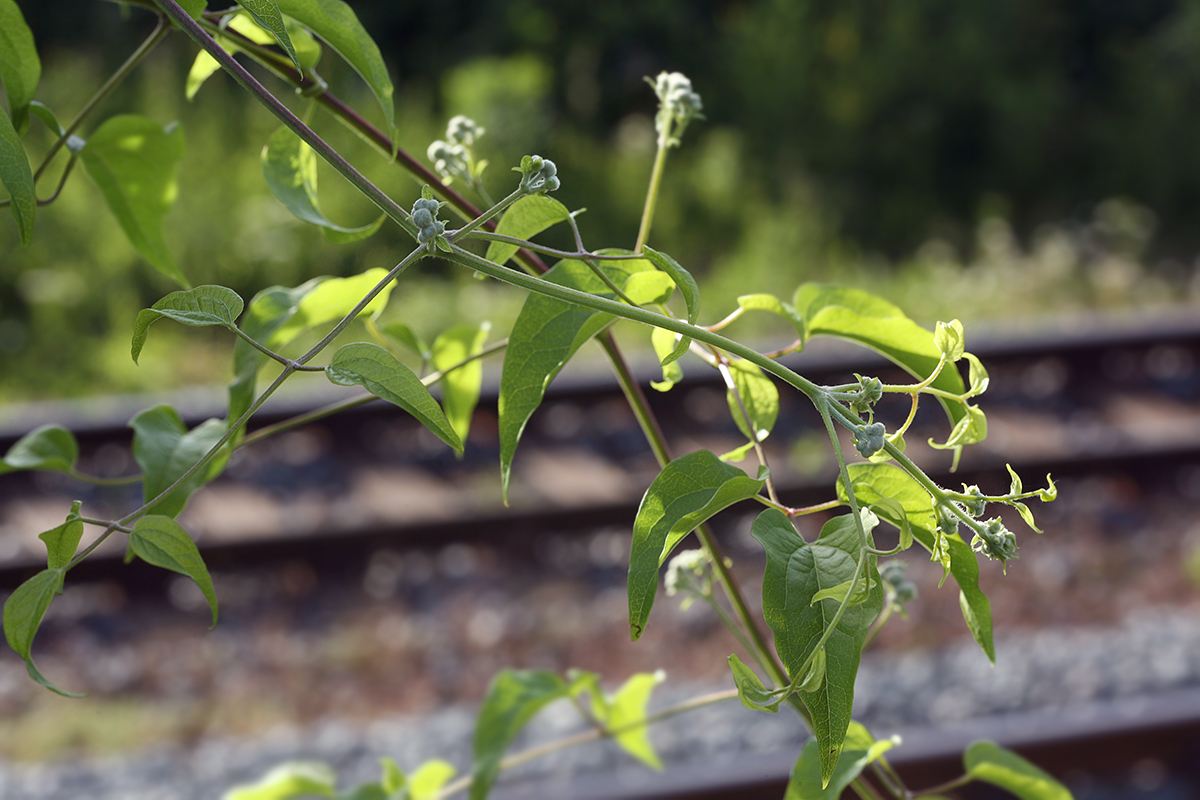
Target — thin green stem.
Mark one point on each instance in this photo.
(354, 402)
(62, 181)
(95, 480)
(656, 173)
(591, 735)
(124, 71)
(723, 368)
(550, 251)
(466, 230)
(950, 785)
(335, 159)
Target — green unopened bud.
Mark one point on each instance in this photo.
(463, 130)
(538, 175)
(868, 440)
(424, 216)
(995, 541)
(974, 504)
(449, 160)
(868, 393)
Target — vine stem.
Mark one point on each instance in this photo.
(124, 71)
(335, 159)
(591, 735)
(656, 173)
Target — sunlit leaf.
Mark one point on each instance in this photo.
(795, 573)
(461, 386)
(161, 541)
(409, 338)
(751, 691)
(861, 748)
(664, 343)
(429, 778)
(290, 168)
(204, 305)
(133, 160)
(626, 712)
(525, 219)
(295, 779)
(50, 447)
(687, 491)
(513, 698)
(327, 299)
(686, 284)
(378, 371)
(873, 482)
(165, 449)
(990, 763)
(760, 397)
(773, 305)
(269, 310)
(871, 321)
(950, 340)
(336, 23)
(544, 337)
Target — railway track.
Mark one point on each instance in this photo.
(1113, 413)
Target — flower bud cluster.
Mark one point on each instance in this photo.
(899, 588)
(974, 504)
(684, 570)
(869, 391)
(464, 130)
(868, 440)
(538, 175)
(424, 216)
(676, 99)
(452, 157)
(995, 541)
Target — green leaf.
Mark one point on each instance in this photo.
(17, 178)
(290, 167)
(292, 780)
(165, 449)
(664, 345)
(366, 791)
(871, 321)
(269, 310)
(760, 396)
(133, 160)
(204, 305)
(335, 22)
(161, 541)
(971, 428)
(644, 288)
(838, 593)
(49, 447)
(409, 338)
(20, 68)
(513, 698)
(429, 778)
(327, 299)
(772, 304)
(62, 542)
(687, 287)
(977, 376)
(626, 712)
(950, 340)
(751, 691)
(873, 482)
(525, 219)
(795, 573)
(988, 762)
(203, 67)
(23, 613)
(375, 369)
(266, 13)
(544, 337)
(860, 750)
(686, 492)
(460, 387)
(393, 779)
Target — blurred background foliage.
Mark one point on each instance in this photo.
(964, 158)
